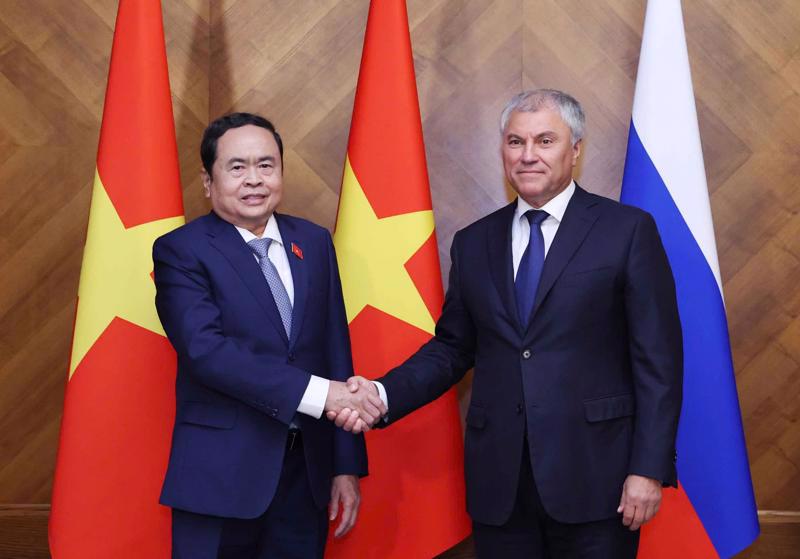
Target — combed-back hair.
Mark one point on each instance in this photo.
(536, 99)
(208, 146)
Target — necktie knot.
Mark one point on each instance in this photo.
(536, 217)
(260, 246)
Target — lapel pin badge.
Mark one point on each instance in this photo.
(296, 251)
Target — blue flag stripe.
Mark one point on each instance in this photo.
(712, 457)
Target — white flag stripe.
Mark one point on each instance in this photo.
(665, 117)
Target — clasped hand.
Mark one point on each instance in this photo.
(355, 405)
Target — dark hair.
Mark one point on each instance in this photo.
(208, 146)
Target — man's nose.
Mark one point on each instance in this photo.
(252, 177)
(529, 154)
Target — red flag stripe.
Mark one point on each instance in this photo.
(677, 517)
(115, 442)
(137, 155)
(385, 147)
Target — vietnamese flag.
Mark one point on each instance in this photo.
(413, 502)
(119, 404)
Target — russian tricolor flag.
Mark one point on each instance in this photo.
(713, 513)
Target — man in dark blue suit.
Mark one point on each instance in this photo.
(252, 303)
(564, 304)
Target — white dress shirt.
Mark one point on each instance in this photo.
(520, 236)
(521, 227)
(313, 401)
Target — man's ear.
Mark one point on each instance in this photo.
(576, 151)
(206, 182)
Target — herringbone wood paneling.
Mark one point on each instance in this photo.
(297, 63)
(53, 70)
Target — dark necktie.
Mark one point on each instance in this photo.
(530, 267)
(261, 247)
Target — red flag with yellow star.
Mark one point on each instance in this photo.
(413, 500)
(119, 404)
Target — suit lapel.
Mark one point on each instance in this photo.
(227, 240)
(299, 268)
(500, 260)
(578, 220)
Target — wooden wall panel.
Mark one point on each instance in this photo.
(47, 126)
(739, 53)
(297, 63)
(53, 70)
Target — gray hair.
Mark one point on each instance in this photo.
(536, 99)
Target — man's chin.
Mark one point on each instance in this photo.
(530, 191)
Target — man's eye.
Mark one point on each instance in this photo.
(266, 165)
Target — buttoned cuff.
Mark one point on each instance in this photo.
(313, 401)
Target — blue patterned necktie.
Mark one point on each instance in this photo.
(530, 267)
(260, 247)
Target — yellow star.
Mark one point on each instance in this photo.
(372, 254)
(115, 274)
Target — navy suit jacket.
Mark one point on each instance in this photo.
(593, 380)
(240, 379)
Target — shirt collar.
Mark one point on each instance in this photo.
(555, 207)
(271, 231)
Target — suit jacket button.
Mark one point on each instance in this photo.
(291, 357)
(519, 409)
(526, 354)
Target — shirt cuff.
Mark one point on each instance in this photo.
(313, 401)
(382, 394)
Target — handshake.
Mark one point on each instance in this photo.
(354, 405)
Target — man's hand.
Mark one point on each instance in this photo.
(356, 382)
(350, 419)
(353, 410)
(641, 497)
(345, 491)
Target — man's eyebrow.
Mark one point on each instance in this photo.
(233, 160)
(539, 135)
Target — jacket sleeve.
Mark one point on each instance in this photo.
(350, 452)
(192, 320)
(443, 360)
(656, 352)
